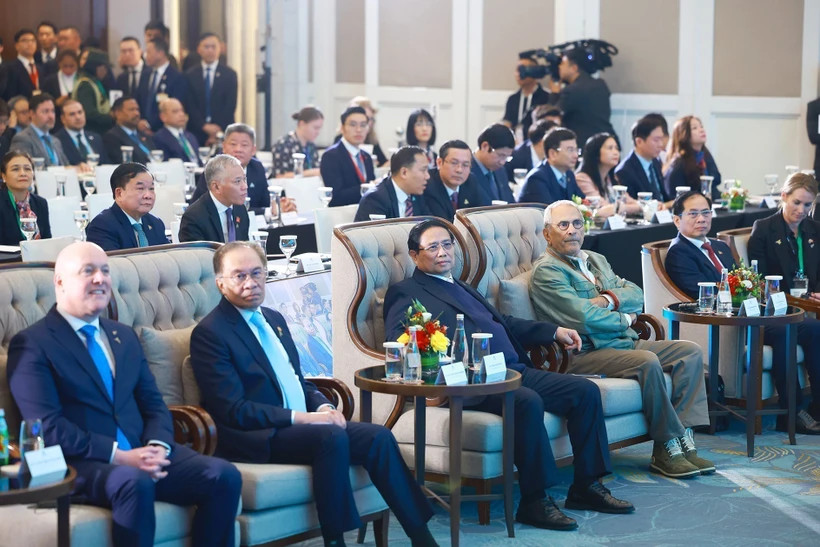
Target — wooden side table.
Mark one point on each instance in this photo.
(19, 494)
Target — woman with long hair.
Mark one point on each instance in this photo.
(16, 202)
(309, 121)
(688, 159)
(90, 92)
(421, 132)
(596, 175)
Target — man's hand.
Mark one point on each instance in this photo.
(329, 416)
(145, 127)
(814, 296)
(568, 338)
(288, 205)
(84, 168)
(211, 129)
(554, 87)
(150, 459)
(600, 301)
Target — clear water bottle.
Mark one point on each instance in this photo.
(724, 301)
(412, 359)
(754, 266)
(4, 439)
(458, 350)
(762, 287)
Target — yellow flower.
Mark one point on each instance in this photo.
(403, 339)
(439, 342)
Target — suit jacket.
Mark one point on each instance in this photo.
(501, 181)
(443, 305)
(769, 245)
(5, 140)
(382, 200)
(561, 293)
(541, 186)
(687, 265)
(173, 84)
(257, 186)
(28, 141)
(585, 107)
(521, 159)
(539, 96)
(18, 80)
(238, 385)
(470, 194)
(73, 154)
(676, 177)
(112, 230)
(53, 377)
(117, 137)
(166, 141)
(121, 82)
(338, 172)
(10, 233)
(223, 98)
(201, 222)
(39, 58)
(812, 116)
(632, 175)
(51, 85)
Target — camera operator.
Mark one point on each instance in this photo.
(521, 103)
(584, 100)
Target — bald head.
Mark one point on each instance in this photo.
(172, 114)
(82, 281)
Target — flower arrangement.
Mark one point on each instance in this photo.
(586, 211)
(736, 195)
(744, 283)
(431, 339)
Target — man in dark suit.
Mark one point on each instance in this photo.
(134, 71)
(247, 368)
(87, 378)
(46, 55)
(530, 153)
(125, 133)
(69, 38)
(36, 139)
(220, 214)
(641, 170)
(344, 166)
(212, 92)
(553, 179)
(77, 141)
(451, 186)
(529, 95)
(163, 82)
(579, 400)
(400, 195)
(156, 30)
(172, 138)
(128, 223)
(813, 128)
(495, 146)
(21, 76)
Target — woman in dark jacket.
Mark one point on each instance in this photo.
(689, 159)
(16, 202)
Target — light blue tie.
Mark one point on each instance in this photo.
(101, 362)
(138, 142)
(142, 241)
(292, 393)
(50, 150)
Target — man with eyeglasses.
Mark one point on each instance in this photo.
(400, 194)
(495, 147)
(345, 167)
(251, 383)
(451, 186)
(430, 245)
(553, 179)
(578, 288)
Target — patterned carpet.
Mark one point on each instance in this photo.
(770, 500)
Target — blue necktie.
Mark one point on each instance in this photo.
(231, 225)
(208, 95)
(493, 186)
(653, 180)
(101, 362)
(308, 153)
(142, 241)
(292, 393)
(137, 141)
(50, 150)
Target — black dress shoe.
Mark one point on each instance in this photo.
(544, 514)
(596, 497)
(803, 424)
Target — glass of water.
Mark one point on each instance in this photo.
(287, 244)
(519, 175)
(772, 285)
(644, 200)
(89, 184)
(771, 182)
(620, 199)
(127, 153)
(157, 156)
(261, 238)
(93, 160)
(479, 350)
(298, 164)
(160, 177)
(392, 361)
(28, 225)
(81, 221)
(204, 153)
(706, 296)
(179, 210)
(706, 185)
(39, 164)
(60, 179)
(31, 436)
(326, 195)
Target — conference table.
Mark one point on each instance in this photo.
(305, 232)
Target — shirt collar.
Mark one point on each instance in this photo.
(246, 313)
(130, 218)
(74, 134)
(36, 129)
(174, 131)
(129, 132)
(352, 150)
(212, 66)
(25, 61)
(401, 196)
(534, 156)
(51, 53)
(558, 174)
(77, 323)
(160, 70)
(448, 278)
(644, 162)
(220, 208)
(139, 66)
(696, 242)
(480, 165)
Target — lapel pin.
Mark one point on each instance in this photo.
(720, 252)
(279, 329)
(117, 340)
(114, 332)
(466, 202)
(237, 220)
(150, 227)
(811, 242)
(778, 241)
(217, 74)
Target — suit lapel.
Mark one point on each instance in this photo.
(433, 288)
(781, 246)
(393, 199)
(699, 256)
(810, 251)
(213, 215)
(126, 229)
(244, 333)
(123, 369)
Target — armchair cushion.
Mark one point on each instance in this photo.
(165, 351)
(6, 401)
(190, 389)
(514, 296)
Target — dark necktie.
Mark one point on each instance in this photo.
(150, 99)
(231, 225)
(186, 147)
(493, 186)
(52, 156)
(408, 207)
(454, 200)
(208, 94)
(653, 180)
(712, 256)
(360, 164)
(84, 151)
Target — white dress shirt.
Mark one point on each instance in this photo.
(401, 197)
(49, 55)
(699, 244)
(536, 161)
(158, 73)
(223, 220)
(212, 74)
(81, 135)
(66, 82)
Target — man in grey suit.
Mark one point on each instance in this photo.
(578, 289)
(35, 139)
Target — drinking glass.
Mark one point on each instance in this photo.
(326, 195)
(644, 200)
(594, 205)
(392, 361)
(519, 175)
(706, 296)
(31, 436)
(273, 214)
(160, 177)
(179, 210)
(204, 153)
(268, 169)
(28, 225)
(39, 164)
(261, 237)
(89, 183)
(298, 164)
(479, 350)
(772, 285)
(157, 156)
(791, 170)
(60, 179)
(680, 190)
(127, 153)
(287, 244)
(620, 199)
(365, 188)
(771, 182)
(93, 160)
(81, 221)
(706, 185)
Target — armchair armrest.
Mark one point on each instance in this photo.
(552, 358)
(337, 393)
(193, 427)
(803, 303)
(646, 325)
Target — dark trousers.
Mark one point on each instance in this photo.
(331, 450)
(211, 484)
(808, 336)
(576, 399)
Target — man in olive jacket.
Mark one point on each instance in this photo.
(578, 289)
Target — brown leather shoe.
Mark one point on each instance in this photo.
(544, 514)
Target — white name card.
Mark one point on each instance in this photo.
(113, 95)
(291, 218)
(454, 374)
(751, 308)
(662, 217)
(798, 293)
(46, 465)
(615, 222)
(778, 302)
(725, 297)
(769, 203)
(494, 367)
(310, 262)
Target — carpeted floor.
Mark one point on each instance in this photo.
(770, 500)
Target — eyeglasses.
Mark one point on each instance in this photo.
(455, 164)
(500, 154)
(564, 224)
(434, 248)
(692, 215)
(569, 150)
(354, 125)
(241, 277)
(423, 123)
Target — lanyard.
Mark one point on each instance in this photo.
(356, 165)
(799, 250)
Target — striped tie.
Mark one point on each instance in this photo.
(408, 207)
(454, 200)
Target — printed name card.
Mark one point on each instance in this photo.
(750, 308)
(494, 367)
(615, 222)
(310, 262)
(777, 301)
(768, 202)
(454, 374)
(662, 217)
(291, 218)
(46, 465)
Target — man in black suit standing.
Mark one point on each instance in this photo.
(125, 133)
(553, 179)
(219, 215)
(495, 146)
(521, 103)
(641, 169)
(46, 55)
(401, 195)
(69, 39)
(164, 82)
(451, 186)
(21, 76)
(156, 30)
(813, 127)
(172, 138)
(133, 67)
(212, 92)
(344, 166)
(77, 141)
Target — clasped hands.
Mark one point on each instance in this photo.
(151, 459)
(327, 416)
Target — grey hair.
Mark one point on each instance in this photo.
(555, 204)
(215, 168)
(243, 128)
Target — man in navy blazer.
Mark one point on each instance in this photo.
(86, 377)
(128, 223)
(495, 146)
(172, 138)
(579, 400)
(345, 167)
(163, 82)
(641, 169)
(78, 141)
(126, 133)
(451, 186)
(247, 368)
(212, 92)
(17, 74)
(401, 194)
(530, 153)
(553, 180)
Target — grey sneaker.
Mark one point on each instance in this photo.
(668, 459)
(687, 443)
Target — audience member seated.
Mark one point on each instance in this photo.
(421, 132)
(76, 140)
(220, 214)
(785, 244)
(530, 153)
(345, 167)
(36, 139)
(689, 159)
(547, 112)
(302, 140)
(579, 289)
(495, 146)
(125, 133)
(553, 179)
(665, 128)
(578, 400)
(596, 176)
(19, 113)
(370, 137)
(128, 223)
(61, 83)
(21, 76)
(451, 186)
(16, 202)
(401, 195)
(641, 171)
(46, 55)
(62, 369)
(248, 372)
(133, 67)
(163, 82)
(212, 92)
(91, 93)
(173, 139)
(520, 104)
(7, 132)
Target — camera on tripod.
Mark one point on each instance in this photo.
(590, 56)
